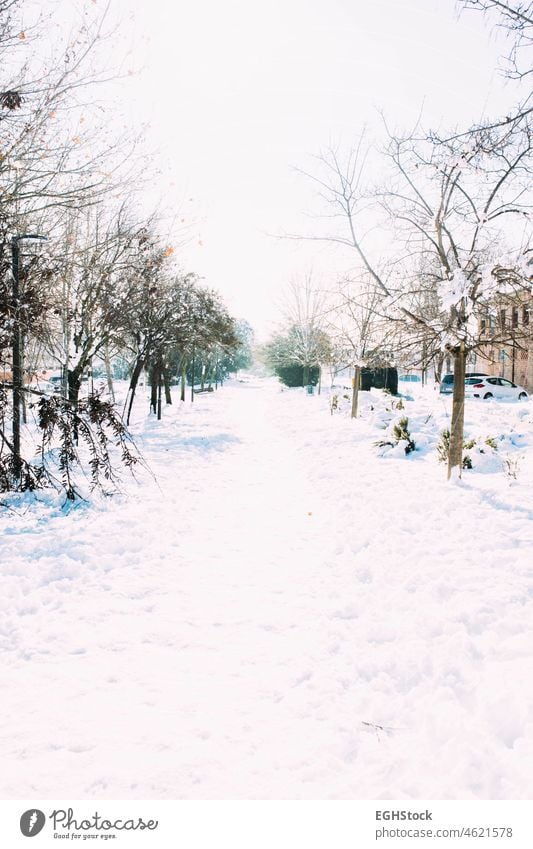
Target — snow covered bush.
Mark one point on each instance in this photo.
(487, 446)
(399, 435)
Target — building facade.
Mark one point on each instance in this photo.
(507, 348)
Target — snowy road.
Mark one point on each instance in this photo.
(242, 631)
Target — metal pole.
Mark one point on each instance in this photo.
(159, 388)
(192, 375)
(17, 347)
(16, 366)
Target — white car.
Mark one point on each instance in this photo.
(495, 387)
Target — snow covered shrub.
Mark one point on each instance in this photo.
(400, 432)
(474, 444)
(467, 461)
(395, 404)
(443, 449)
(334, 403)
(399, 435)
(443, 446)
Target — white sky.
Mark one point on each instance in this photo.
(239, 92)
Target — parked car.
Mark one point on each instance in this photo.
(496, 387)
(446, 384)
(409, 378)
(54, 383)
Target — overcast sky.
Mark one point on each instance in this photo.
(239, 93)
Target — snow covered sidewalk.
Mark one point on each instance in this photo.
(285, 616)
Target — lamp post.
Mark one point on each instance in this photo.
(17, 344)
(192, 369)
(195, 319)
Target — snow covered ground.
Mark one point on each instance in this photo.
(289, 612)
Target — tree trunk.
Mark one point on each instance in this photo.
(168, 393)
(159, 390)
(319, 379)
(107, 361)
(74, 384)
(183, 379)
(424, 364)
(305, 375)
(135, 375)
(355, 390)
(455, 457)
(439, 362)
(154, 383)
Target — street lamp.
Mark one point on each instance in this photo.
(192, 367)
(17, 344)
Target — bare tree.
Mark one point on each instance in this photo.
(516, 19)
(355, 326)
(304, 313)
(449, 204)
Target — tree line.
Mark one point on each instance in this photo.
(84, 275)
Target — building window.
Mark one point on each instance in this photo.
(502, 319)
(525, 315)
(483, 325)
(515, 316)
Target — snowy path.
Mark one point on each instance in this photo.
(237, 634)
